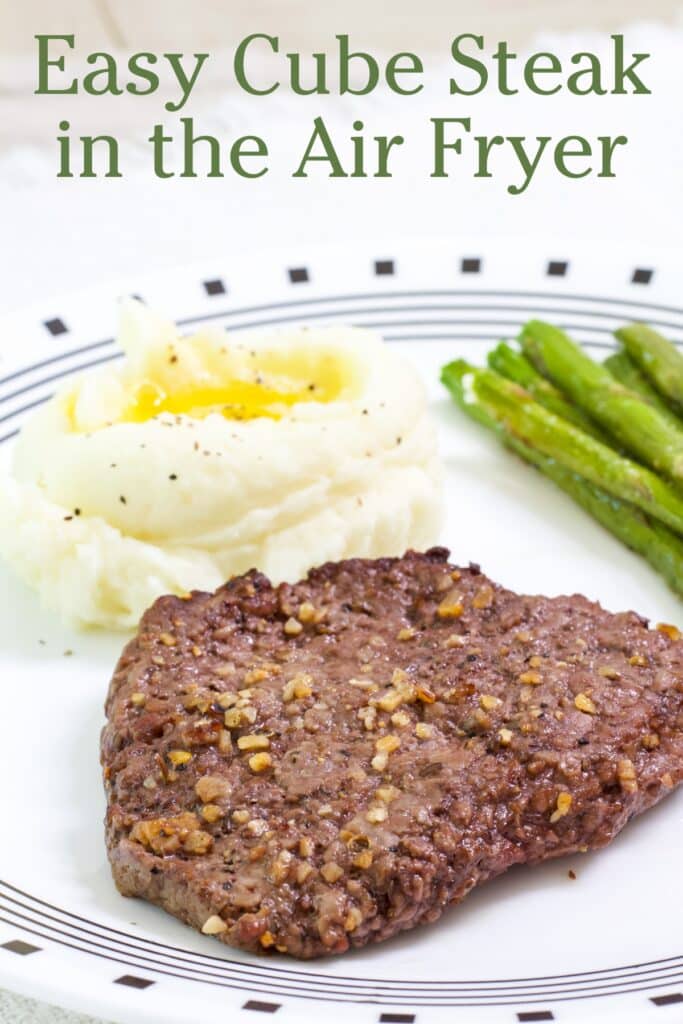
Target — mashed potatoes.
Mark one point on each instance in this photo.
(198, 458)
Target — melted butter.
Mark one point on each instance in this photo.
(279, 380)
(238, 400)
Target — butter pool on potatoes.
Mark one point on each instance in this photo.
(197, 458)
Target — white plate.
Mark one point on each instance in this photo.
(531, 946)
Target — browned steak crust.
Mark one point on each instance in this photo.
(318, 766)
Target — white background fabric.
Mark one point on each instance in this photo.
(64, 234)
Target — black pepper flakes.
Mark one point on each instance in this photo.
(173, 476)
(122, 499)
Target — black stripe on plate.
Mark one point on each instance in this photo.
(214, 982)
(384, 268)
(492, 998)
(379, 325)
(214, 287)
(512, 321)
(58, 376)
(452, 293)
(671, 965)
(376, 324)
(259, 1007)
(200, 971)
(435, 293)
(470, 265)
(667, 1000)
(397, 1018)
(19, 947)
(557, 268)
(451, 336)
(133, 981)
(298, 275)
(56, 326)
(308, 995)
(534, 1015)
(58, 359)
(26, 408)
(642, 276)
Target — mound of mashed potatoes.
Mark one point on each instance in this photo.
(196, 458)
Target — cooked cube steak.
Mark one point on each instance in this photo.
(312, 767)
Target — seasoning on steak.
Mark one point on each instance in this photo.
(321, 765)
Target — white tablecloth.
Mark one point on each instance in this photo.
(61, 234)
(64, 234)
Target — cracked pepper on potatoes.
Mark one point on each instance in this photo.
(200, 457)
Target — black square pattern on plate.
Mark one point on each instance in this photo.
(397, 1018)
(298, 275)
(557, 268)
(132, 981)
(214, 287)
(20, 948)
(471, 265)
(259, 1007)
(642, 275)
(384, 267)
(535, 1015)
(56, 326)
(667, 1000)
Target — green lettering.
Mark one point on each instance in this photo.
(240, 63)
(484, 147)
(108, 72)
(44, 64)
(593, 73)
(564, 152)
(534, 66)
(528, 165)
(64, 151)
(189, 142)
(329, 154)
(415, 67)
(159, 140)
(319, 87)
(185, 82)
(345, 58)
(607, 148)
(384, 148)
(440, 144)
(239, 152)
(623, 72)
(472, 63)
(144, 74)
(503, 57)
(88, 156)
